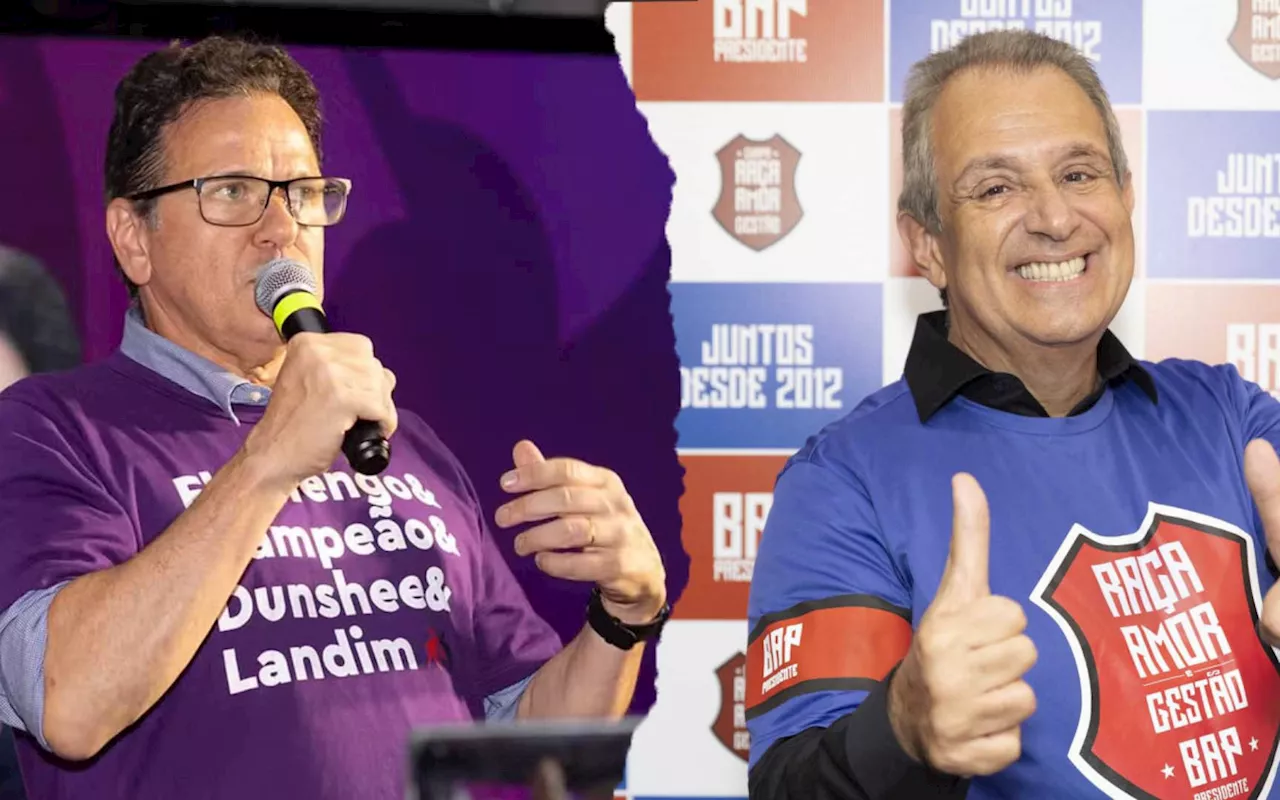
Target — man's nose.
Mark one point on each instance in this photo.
(278, 227)
(1051, 213)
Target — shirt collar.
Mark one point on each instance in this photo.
(194, 373)
(936, 370)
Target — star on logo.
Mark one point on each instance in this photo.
(436, 651)
(1253, 743)
(1168, 772)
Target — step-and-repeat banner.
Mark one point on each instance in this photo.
(793, 299)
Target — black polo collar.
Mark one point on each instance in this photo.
(937, 370)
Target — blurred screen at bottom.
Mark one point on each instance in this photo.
(489, 790)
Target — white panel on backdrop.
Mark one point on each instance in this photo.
(617, 20)
(1190, 62)
(674, 751)
(823, 168)
(904, 300)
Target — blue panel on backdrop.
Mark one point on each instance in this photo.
(767, 365)
(1215, 213)
(1109, 32)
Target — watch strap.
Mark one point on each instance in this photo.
(620, 634)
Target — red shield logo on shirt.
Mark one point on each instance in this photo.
(1180, 696)
(730, 727)
(1256, 38)
(758, 204)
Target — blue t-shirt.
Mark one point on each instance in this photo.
(1127, 533)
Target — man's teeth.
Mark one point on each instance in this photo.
(1061, 271)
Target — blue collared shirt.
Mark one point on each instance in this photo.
(194, 373)
(24, 626)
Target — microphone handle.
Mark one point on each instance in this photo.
(367, 450)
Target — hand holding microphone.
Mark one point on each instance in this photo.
(331, 393)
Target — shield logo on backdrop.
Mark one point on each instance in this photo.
(1256, 39)
(730, 726)
(758, 204)
(1180, 696)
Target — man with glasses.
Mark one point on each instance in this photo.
(200, 598)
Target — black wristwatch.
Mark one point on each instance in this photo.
(618, 633)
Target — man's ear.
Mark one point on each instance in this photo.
(130, 237)
(1127, 192)
(923, 248)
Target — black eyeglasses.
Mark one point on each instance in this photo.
(239, 200)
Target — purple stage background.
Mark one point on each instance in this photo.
(504, 248)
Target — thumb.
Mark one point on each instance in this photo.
(1262, 473)
(526, 452)
(965, 576)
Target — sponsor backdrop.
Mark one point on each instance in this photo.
(793, 299)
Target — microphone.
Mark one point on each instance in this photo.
(285, 291)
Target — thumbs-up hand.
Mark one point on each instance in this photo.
(1262, 473)
(958, 700)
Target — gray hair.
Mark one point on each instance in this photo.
(1018, 50)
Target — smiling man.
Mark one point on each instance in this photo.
(200, 599)
(1030, 568)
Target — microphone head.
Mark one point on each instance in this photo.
(279, 278)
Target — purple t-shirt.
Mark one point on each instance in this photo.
(374, 604)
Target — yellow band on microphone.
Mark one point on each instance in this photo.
(291, 303)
